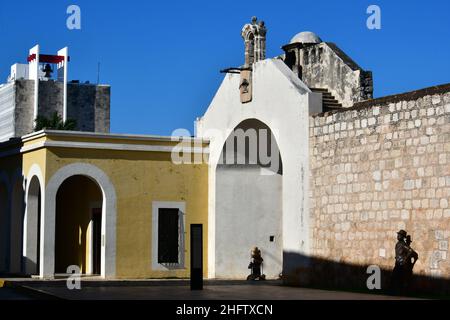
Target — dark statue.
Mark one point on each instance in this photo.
(256, 265)
(405, 259)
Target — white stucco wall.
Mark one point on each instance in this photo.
(249, 208)
(283, 102)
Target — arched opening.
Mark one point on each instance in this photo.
(107, 203)
(17, 216)
(249, 201)
(78, 225)
(4, 228)
(32, 227)
(251, 49)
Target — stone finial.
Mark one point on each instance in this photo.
(254, 35)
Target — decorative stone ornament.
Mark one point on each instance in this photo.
(254, 35)
(245, 86)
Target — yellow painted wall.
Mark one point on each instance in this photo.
(140, 178)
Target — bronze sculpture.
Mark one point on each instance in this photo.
(256, 265)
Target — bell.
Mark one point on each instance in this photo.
(48, 71)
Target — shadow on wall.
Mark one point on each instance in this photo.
(12, 209)
(301, 270)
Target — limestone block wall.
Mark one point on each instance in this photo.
(382, 166)
(326, 66)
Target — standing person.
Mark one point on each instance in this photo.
(401, 254)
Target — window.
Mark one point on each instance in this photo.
(168, 230)
(168, 234)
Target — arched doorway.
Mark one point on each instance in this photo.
(108, 217)
(4, 228)
(248, 201)
(32, 225)
(78, 225)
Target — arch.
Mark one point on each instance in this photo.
(78, 225)
(249, 201)
(32, 233)
(108, 250)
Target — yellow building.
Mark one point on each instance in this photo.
(100, 202)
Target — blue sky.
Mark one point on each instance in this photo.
(162, 58)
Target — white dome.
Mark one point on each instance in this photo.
(306, 37)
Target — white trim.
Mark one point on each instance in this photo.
(109, 207)
(35, 146)
(34, 75)
(111, 146)
(123, 136)
(180, 205)
(64, 52)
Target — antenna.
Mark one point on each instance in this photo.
(98, 73)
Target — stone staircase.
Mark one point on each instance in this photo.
(328, 100)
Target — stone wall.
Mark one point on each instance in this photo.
(378, 167)
(88, 104)
(24, 107)
(324, 65)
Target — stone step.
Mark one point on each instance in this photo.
(319, 90)
(329, 102)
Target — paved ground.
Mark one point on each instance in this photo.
(12, 294)
(179, 290)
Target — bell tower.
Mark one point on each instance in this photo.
(254, 35)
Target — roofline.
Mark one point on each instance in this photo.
(123, 136)
(406, 96)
